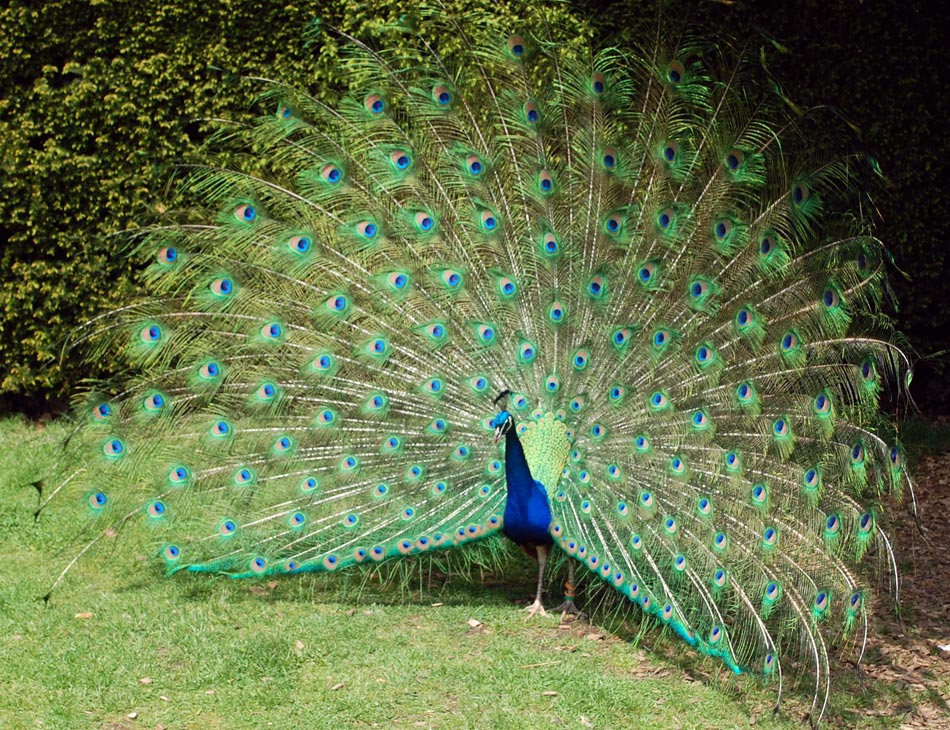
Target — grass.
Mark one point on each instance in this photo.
(121, 647)
(924, 437)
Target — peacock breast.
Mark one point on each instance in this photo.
(546, 449)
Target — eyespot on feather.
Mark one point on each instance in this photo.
(800, 194)
(550, 245)
(669, 152)
(598, 84)
(532, 114)
(368, 229)
(331, 174)
(665, 219)
(545, 182)
(442, 96)
(223, 287)
(375, 104)
(613, 225)
(517, 47)
(734, 159)
(168, 255)
(245, 213)
(424, 222)
(401, 160)
(474, 165)
(299, 244)
(675, 73)
(150, 334)
(646, 274)
(488, 221)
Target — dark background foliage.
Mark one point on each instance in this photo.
(103, 102)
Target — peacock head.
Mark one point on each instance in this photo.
(502, 423)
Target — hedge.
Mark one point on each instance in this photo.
(102, 103)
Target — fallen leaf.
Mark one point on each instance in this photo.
(549, 693)
(474, 623)
(338, 685)
(145, 680)
(85, 614)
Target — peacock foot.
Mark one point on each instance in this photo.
(569, 608)
(534, 609)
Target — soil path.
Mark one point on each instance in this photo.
(915, 653)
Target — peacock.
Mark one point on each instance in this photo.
(621, 307)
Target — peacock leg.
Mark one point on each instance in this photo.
(536, 607)
(568, 606)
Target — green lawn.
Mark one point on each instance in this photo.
(121, 647)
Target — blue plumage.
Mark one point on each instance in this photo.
(527, 511)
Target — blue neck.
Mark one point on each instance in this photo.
(517, 474)
(527, 511)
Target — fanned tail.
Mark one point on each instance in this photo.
(637, 247)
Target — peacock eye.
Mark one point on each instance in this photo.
(474, 165)
(676, 73)
(401, 160)
(734, 159)
(545, 182)
(245, 213)
(374, 104)
(299, 244)
(670, 152)
(168, 255)
(331, 173)
(442, 95)
(367, 229)
(598, 84)
(489, 221)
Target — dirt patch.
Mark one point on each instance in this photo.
(906, 649)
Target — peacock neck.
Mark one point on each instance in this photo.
(517, 474)
(527, 512)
